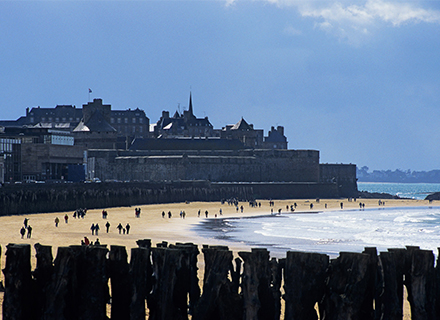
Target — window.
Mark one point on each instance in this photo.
(133, 120)
(119, 120)
(112, 120)
(140, 120)
(126, 120)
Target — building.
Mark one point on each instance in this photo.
(245, 133)
(183, 125)
(130, 122)
(10, 159)
(35, 153)
(275, 139)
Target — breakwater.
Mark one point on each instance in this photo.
(37, 198)
(75, 285)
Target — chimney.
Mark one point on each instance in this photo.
(280, 129)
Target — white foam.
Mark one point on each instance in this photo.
(333, 232)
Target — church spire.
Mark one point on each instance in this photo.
(190, 108)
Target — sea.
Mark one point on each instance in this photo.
(331, 232)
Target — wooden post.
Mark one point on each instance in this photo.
(437, 284)
(17, 302)
(120, 283)
(92, 282)
(347, 287)
(140, 272)
(61, 295)
(78, 289)
(390, 304)
(42, 276)
(218, 300)
(187, 273)
(165, 300)
(422, 285)
(304, 284)
(258, 297)
(372, 289)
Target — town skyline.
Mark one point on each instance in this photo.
(356, 80)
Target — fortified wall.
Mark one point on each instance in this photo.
(216, 166)
(344, 175)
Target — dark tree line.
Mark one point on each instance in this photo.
(404, 176)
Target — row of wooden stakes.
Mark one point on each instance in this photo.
(163, 282)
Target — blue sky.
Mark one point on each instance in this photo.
(357, 80)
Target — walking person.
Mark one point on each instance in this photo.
(119, 227)
(22, 232)
(127, 227)
(107, 226)
(29, 232)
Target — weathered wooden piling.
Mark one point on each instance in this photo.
(259, 301)
(78, 287)
(421, 287)
(373, 289)
(219, 301)
(140, 271)
(75, 285)
(347, 287)
(304, 284)
(168, 298)
(17, 302)
(188, 280)
(389, 304)
(42, 277)
(121, 283)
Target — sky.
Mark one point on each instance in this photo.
(357, 80)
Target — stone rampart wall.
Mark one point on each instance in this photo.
(256, 166)
(344, 175)
(38, 198)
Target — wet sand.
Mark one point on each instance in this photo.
(151, 225)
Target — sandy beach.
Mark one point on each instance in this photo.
(151, 225)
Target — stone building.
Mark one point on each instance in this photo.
(10, 159)
(130, 122)
(36, 153)
(275, 139)
(245, 133)
(183, 125)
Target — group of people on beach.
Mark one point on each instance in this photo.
(87, 242)
(26, 228)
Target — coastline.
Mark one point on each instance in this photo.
(151, 225)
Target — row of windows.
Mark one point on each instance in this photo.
(50, 119)
(71, 119)
(6, 144)
(127, 129)
(133, 120)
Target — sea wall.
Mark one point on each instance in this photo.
(82, 280)
(216, 166)
(36, 198)
(344, 175)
